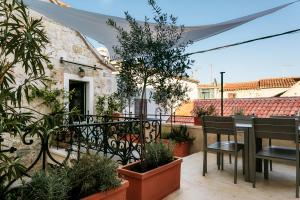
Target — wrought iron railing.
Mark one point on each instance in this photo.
(168, 118)
(118, 138)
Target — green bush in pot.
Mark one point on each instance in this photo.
(92, 174)
(53, 185)
(157, 154)
(200, 111)
(180, 134)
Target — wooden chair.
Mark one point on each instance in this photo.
(220, 126)
(279, 129)
(270, 140)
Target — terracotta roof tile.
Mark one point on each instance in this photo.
(261, 107)
(262, 84)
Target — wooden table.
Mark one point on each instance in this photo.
(247, 129)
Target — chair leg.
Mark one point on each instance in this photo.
(266, 169)
(204, 170)
(270, 144)
(243, 158)
(218, 160)
(297, 180)
(222, 161)
(235, 167)
(230, 161)
(254, 172)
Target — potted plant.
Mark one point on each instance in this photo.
(200, 111)
(110, 105)
(151, 58)
(182, 140)
(95, 178)
(91, 178)
(46, 186)
(134, 133)
(158, 166)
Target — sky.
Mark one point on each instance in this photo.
(277, 57)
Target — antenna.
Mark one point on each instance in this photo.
(211, 73)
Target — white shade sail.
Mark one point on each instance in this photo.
(94, 25)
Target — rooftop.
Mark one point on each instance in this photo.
(284, 82)
(261, 107)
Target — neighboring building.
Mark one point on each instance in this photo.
(152, 108)
(274, 87)
(72, 46)
(192, 85)
(208, 91)
(293, 91)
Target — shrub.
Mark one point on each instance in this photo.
(157, 154)
(109, 104)
(93, 174)
(51, 186)
(90, 175)
(180, 134)
(202, 111)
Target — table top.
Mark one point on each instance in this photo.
(248, 125)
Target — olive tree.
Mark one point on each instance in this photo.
(151, 53)
(171, 95)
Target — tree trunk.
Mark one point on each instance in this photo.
(142, 118)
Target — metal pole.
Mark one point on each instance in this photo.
(222, 93)
(222, 112)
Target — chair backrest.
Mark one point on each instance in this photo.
(219, 125)
(275, 128)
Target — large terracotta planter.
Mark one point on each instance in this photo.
(154, 184)
(197, 121)
(114, 194)
(181, 149)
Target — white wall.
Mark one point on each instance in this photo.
(152, 107)
(293, 91)
(270, 92)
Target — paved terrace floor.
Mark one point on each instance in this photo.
(218, 185)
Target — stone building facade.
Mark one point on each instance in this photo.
(72, 46)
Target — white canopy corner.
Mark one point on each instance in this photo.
(94, 25)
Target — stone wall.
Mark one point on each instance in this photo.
(70, 45)
(197, 133)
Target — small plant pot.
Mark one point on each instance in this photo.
(181, 149)
(114, 194)
(63, 145)
(154, 184)
(197, 121)
(116, 116)
(132, 137)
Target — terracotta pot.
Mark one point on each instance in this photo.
(181, 149)
(197, 121)
(133, 137)
(116, 116)
(114, 194)
(154, 184)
